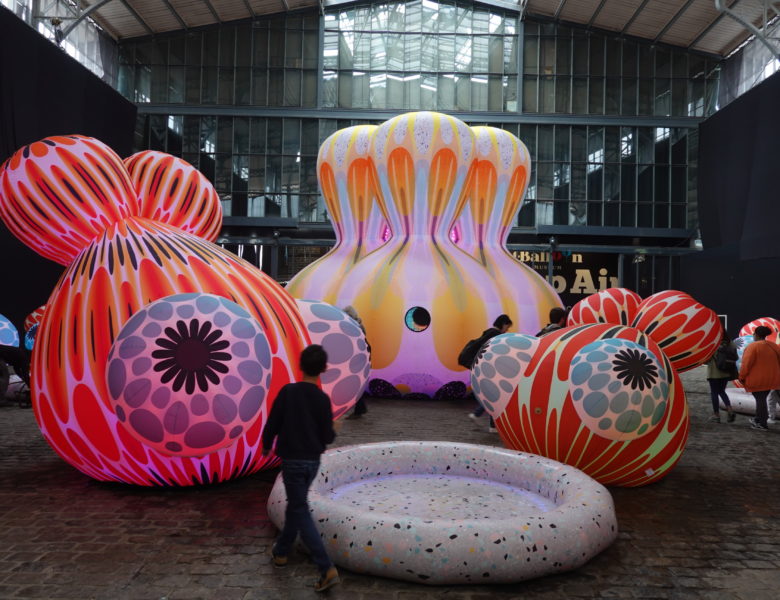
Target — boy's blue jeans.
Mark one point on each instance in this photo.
(297, 476)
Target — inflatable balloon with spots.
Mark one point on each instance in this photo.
(349, 362)
(72, 200)
(34, 317)
(188, 374)
(687, 331)
(613, 305)
(602, 397)
(29, 337)
(9, 336)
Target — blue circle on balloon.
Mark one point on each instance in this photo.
(29, 337)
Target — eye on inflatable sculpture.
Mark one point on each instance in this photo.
(422, 206)
(157, 349)
(349, 361)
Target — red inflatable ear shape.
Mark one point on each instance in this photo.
(59, 194)
(613, 305)
(688, 332)
(173, 191)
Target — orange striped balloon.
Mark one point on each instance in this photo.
(61, 193)
(173, 191)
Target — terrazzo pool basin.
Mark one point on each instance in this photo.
(447, 513)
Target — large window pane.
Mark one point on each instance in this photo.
(292, 87)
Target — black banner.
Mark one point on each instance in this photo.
(575, 275)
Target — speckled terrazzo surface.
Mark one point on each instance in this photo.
(442, 512)
(441, 497)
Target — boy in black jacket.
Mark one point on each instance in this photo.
(302, 421)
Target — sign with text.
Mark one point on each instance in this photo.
(575, 274)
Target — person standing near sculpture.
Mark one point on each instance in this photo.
(557, 321)
(760, 373)
(301, 422)
(722, 368)
(500, 325)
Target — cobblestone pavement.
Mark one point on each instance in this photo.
(711, 529)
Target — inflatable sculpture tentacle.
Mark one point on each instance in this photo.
(71, 199)
(500, 182)
(687, 331)
(347, 184)
(613, 305)
(60, 193)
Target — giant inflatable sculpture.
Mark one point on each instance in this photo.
(422, 206)
(602, 394)
(158, 350)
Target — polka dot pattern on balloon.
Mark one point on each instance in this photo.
(497, 370)
(349, 362)
(187, 373)
(618, 389)
(9, 336)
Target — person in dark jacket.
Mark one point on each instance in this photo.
(558, 317)
(500, 325)
(726, 355)
(301, 422)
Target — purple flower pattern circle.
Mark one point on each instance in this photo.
(188, 374)
(349, 361)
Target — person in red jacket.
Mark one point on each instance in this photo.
(760, 373)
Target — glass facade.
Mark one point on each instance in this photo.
(265, 62)
(574, 70)
(421, 56)
(613, 176)
(610, 123)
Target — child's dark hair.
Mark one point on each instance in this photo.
(314, 360)
(502, 320)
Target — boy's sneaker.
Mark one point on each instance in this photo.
(278, 560)
(732, 417)
(473, 417)
(770, 420)
(714, 419)
(492, 430)
(327, 580)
